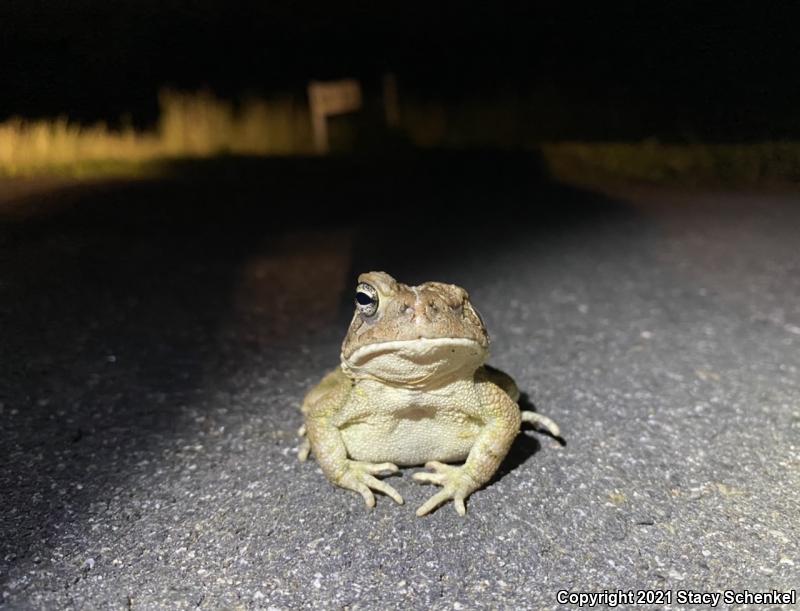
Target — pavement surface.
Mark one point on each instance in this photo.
(158, 337)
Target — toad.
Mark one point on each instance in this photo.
(413, 389)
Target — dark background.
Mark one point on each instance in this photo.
(680, 71)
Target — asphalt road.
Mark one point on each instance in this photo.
(158, 337)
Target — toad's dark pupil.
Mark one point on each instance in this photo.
(363, 299)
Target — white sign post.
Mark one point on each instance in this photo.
(328, 98)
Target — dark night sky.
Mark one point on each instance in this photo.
(732, 65)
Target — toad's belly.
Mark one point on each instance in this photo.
(413, 438)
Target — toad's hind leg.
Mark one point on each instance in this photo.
(506, 382)
(330, 384)
(541, 423)
(318, 393)
(304, 449)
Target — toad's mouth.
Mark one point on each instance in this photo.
(415, 361)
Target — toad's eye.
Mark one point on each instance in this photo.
(366, 299)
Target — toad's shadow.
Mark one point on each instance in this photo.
(524, 446)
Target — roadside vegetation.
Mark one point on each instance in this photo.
(195, 125)
(200, 125)
(754, 164)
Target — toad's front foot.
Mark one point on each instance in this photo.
(359, 476)
(456, 485)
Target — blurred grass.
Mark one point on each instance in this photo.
(199, 125)
(189, 125)
(694, 164)
(534, 123)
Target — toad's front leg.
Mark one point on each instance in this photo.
(502, 419)
(331, 454)
(325, 406)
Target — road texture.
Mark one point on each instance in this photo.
(158, 337)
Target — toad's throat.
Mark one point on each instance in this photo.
(417, 362)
